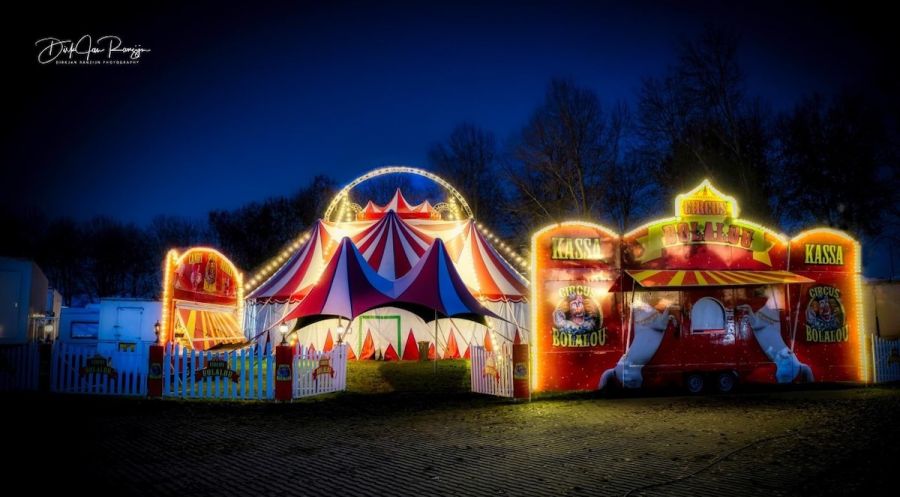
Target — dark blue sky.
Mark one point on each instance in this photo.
(234, 105)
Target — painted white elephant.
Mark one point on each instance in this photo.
(649, 327)
(766, 324)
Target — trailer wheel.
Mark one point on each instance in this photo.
(694, 383)
(725, 382)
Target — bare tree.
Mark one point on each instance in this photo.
(697, 122)
(468, 160)
(838, 167)
(62, 255)
(563, 156)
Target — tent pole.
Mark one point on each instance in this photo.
(630, 319)
(796, 315)
(435, 343)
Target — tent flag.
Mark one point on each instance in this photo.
(411, 349)
(368, 348)
(390, 354)
(311, 349)
(452, 349)
(488, 345)
(468, 354)
(518, 339)
(329, 342)
(350, 355)
(431, 353)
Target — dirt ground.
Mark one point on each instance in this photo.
(773, 442)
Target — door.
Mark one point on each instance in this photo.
(129, 321)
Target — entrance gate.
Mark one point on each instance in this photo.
(492, 372)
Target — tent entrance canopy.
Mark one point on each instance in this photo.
(669, 278)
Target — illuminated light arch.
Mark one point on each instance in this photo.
(864, 363)
(533, 340)
(345, 191)
(172, 260)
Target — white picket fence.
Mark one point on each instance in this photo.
(319, 372)
(887, 359)
(492, 372)
(19, 367)
(236, 375)
(79, 369)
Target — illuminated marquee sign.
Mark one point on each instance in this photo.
(705, 216)
(706, 200)
(202, 278)
(817, 253)
(576, 249)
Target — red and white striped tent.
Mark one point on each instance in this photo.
(392, 244)
(269, 302)
(347, 288)
(298, 274)
(434, 285)
(484, 270)
(399, 205)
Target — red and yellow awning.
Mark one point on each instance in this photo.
(681, 278)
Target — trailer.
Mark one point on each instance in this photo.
(703, 300)
(112, 325)
(24, 315)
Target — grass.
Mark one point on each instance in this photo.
(444, 377)
(432, 377)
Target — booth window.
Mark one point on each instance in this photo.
(83, 330)
(708, 316)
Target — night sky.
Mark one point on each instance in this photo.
(233, 105)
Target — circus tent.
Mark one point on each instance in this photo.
(391, 246)
(348, 288)
(393, 243)
(434, 285)
(399, 205)
(269, 302)
(295, 278)
(484, 271)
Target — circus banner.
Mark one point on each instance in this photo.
(706, 233)
(205, 276)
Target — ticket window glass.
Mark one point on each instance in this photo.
(708, 316)
(650, 306)
(84, 330)
(659, 301)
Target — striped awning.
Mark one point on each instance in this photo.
(681, 278)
